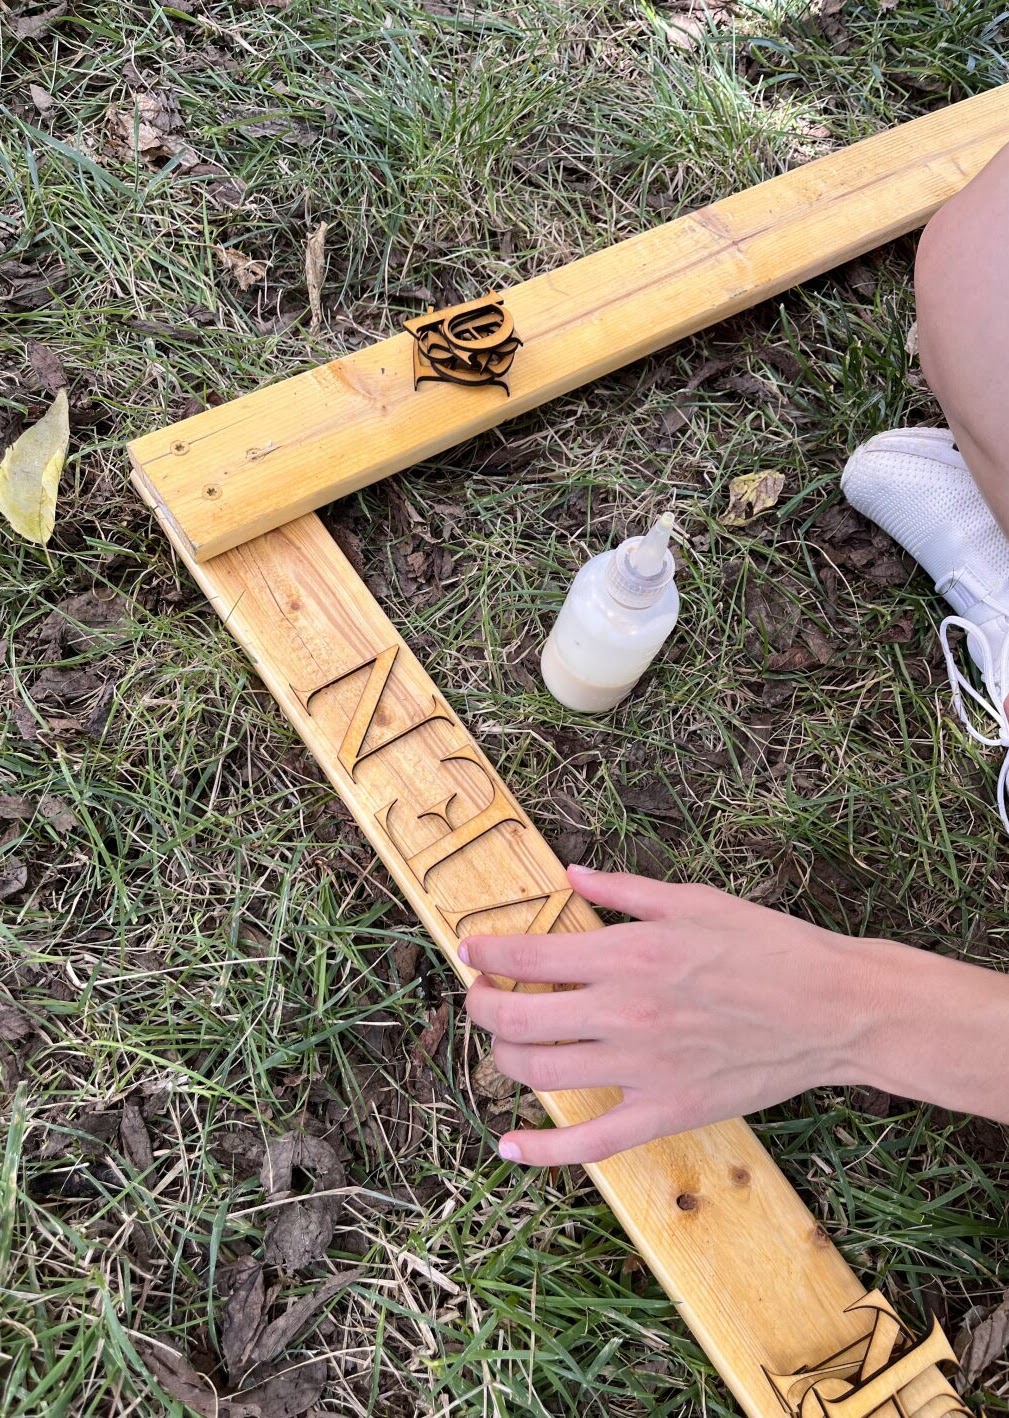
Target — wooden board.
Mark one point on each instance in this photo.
(750, 1270)
(236, 471)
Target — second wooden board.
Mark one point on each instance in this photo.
(246, 467)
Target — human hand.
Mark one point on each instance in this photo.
(703, 1008)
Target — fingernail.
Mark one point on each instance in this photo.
(464, 953)
(577, 866)
(510, 1151)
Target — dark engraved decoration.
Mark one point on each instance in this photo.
(887, 1373)
(473, 343)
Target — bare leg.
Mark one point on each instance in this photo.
(962, 287)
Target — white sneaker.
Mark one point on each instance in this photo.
(914, 484)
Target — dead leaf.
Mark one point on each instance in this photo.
(287, 1393)
(47, 367)
(148, 129)
(315, 273)
(488, 1083)
(182, 1382)
(41, 98)
(986, 1342)
(243, 1149)
(531, 1110)
(427, 1045)
(299, 1232)
(277, 1335)
(26, 287)
(243, 1315)
(34, 26)
(30, 473)
(241, 269)
(60, 818)
(13, 809)
(750, 495)
(13, 877)
(14, 1026)
(135, 1138)
(911, 340)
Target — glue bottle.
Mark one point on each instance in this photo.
(618, 612)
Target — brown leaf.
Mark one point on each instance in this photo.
(135, 1138)
(299, 1232)
(35, 25)
(13, 877)
(181, 1381)
(988, 1341)
(14, 1026)
(309, 1154)
(285, 1394)
(427, 1045)
(14, 808)
(750, 495)
(796, 657)
(60, 817)
(315, 272)
(41, 98)
(243, 1149)
(243, 1315)
(531, 1110)
(488, 1083)
(241, 269)
(27, 287)
(148, 129)
(47, 367)
(277, 1335)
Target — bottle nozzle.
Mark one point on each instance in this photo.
(649, 556)
(642, 567)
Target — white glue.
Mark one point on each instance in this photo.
(618, 612)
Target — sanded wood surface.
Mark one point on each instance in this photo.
(753, 1274)
(236, 471)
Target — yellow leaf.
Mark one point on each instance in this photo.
(30, 473)
(750, 495)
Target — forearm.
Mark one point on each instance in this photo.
(935, 1029)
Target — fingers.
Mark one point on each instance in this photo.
(624, 1126)
(521, 1018)
(550, 1068)
(637, 896)
(543, 959)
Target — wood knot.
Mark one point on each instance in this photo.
(740, 1176)
(686, 1201)
(820, 1237)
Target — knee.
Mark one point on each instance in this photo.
(938, 272)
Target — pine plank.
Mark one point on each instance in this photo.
(752, 1273)
(239, 470)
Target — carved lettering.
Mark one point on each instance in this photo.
(352, 751)
(541, 924)
(886, 1374)
(499, 810)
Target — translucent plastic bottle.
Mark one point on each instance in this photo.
(619, 610)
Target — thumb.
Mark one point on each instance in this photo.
(637, 896)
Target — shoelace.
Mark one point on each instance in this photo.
(993, 707)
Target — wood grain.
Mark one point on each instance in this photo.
(233, 472)
(750, 1270)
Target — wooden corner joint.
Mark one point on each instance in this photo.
(886, 1373)
(474, 343)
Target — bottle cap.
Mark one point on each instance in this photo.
(642, 567)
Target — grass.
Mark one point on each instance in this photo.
(206, 937)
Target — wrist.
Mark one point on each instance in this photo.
(930, 1028)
